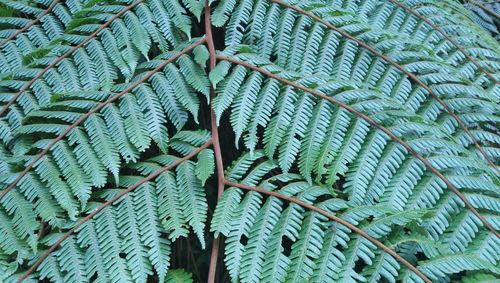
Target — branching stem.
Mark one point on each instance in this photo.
(215, 142)
(215, 137)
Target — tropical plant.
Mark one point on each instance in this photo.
(248, 141)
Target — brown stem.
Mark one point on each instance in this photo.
(214, 256)
(336, 219)
(447, 37)
(108, 203)
(397, 66)
(486, 9)
(215, 132)
(32, 23)
(60, 58)
(373, 123)
(215, 136)
(99, 107)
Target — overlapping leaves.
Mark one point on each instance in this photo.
(287, 140)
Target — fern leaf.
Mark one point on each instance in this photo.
(205, 166)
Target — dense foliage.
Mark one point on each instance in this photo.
(249, 141)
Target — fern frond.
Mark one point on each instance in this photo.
(355, 141)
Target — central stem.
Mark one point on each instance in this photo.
(215, 139)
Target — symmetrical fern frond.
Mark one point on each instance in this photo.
(131, 229)
(297, 229)
(249, 141)
(302, 119)
(98, 133)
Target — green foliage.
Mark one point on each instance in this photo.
(273, 135)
